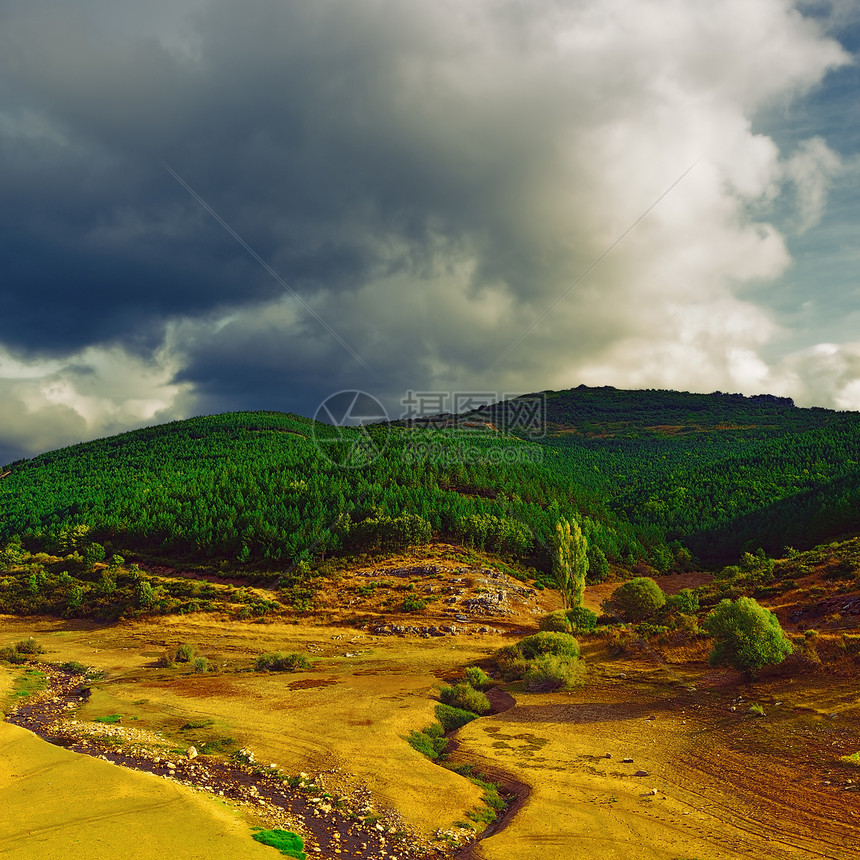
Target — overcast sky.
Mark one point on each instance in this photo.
(424, 181)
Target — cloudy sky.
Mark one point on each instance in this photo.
(211, 205)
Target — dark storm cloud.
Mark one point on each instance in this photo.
(427, 177)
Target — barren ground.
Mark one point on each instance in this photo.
(720, 782)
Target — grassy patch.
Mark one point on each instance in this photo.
(280, 662)
(31, 681)
(21, 651)
(853, 759)
(465, 697)
(110, 719)
(430, 742)
(74, 667)
(288, 843)
(453, 718)
(197, 724)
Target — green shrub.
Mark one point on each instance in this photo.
(556, 622)
(10, 654)
(746, 636)
(21, 652)
(74, 667)
(638, 599)
(465, 697)
(646, 629)
(110, 719)
(430, 742)
(280, 662)
(558, 644)
(478, 678)
(512, 667)
(583, 620)
(29, 646)
(550, 672)
(686, 601)
(94, 553)
(184, 653)
(201, 665)
(756, 710)
(288, 843)
(452, 719)
(853, 759)
(413, 603)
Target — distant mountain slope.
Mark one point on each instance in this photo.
(716, 471)
(641, 469)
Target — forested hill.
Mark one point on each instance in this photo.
(645, 472)
(608, 412)
(269, 487)
(717, 471)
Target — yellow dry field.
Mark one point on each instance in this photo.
(57, 804)
(720, 783)
(350, 712)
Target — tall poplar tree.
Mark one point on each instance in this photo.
(569, 562)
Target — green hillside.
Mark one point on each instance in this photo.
(719, 472)
(259, 487)
(644, 471)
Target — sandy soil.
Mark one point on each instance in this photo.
(56, 804)
(720, 783)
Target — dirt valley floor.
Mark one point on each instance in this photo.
(655, 757)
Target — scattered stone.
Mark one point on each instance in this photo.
(191, 752)
(641, 773)
(627, 760)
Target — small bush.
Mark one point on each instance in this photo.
(582, 619)
(185, 653)
(686, 601)
(756, 710)
(201, 665)
(288, 843)
(110, 719)
(549, 672)
(452, 719)
(638, 599)
(465, 697)
(478, 678)
(413, 603)
(29, 646)
(10, 654)
(746, 636)
(74, 667)
(430, 742)
(555, 622)
(512, 667)
(558, 644)
(21, 652)
(646, 629)
(853, 759)
(280, 662)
